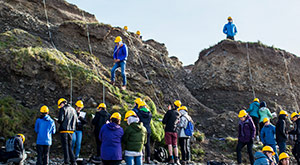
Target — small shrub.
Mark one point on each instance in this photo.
(199, 136)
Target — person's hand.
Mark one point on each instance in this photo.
(117, 60)
(93, 116)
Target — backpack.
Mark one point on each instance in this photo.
(10, 144)
(189, 130)
(161, 154)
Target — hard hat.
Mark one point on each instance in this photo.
(138, 101)
(182, 108)
(125, 28)
(118, 39)
(116, 115)
(22, 136)
(177, 103)
(256, 100)
(128, 114)
(265, 120)
(283, 155)
(293, 115)
(229, 18)
(138, 32)
(242, 113)
(60, 101)
(79, 104)
(102, 105)
(141, 104)
(283, 112)
(268, 149)
(44, 109)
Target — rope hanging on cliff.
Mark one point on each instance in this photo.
(251, 78)
(290, 83)
(51, 40)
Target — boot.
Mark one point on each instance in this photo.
(148, 160)
(171, 161)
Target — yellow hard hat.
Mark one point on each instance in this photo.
(229, 18)
(138, 100)
(177, 103)
(265, 120)
(118, 39)
(268, 149)
(79, 104)
(182, 108)
(283, 155)
(283, 112)
(102, 105)
(293, 115)
(128, 114)
(44, 109)
(60, 101)
(256, 100)
(141, 104)
(116, 115)
(242, 113)
(125, 28)
(22, 136)
(138, 32)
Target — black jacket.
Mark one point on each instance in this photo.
(281, 134)
(171, 119)
(145, 118)
(99, 120)
(67, 118)
(80, 122)
(14, 146)
(296, 130)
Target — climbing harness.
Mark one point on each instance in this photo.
(251, 78)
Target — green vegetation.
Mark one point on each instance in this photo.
(200, 137)
(198, 154)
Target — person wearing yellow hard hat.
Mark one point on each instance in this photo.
(246, 135)
(265, 156)
(138, 33)
(267, 136)
(296, 132)
(45, 128)
(67, 119)
(281, 131)
(120, 56)
(125, 28)
(230, 29)
(14, 149)
(253, 111)
(77, 135)
(111, 136)
(101, 118)
(263, 112)
(137, 101)
(284, 159)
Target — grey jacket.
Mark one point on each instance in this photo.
(183, 122)
(67, 118)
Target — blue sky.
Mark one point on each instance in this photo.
(189, 26)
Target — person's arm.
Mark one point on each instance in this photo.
(61, 116)
(36, 127)
(235, 30)
(225, 29)
(253, 129)
(96, 119)
(53, 127)
(82, 119)
(250, 109)
(269, 114)
(262, 135)
(115, 51)
(125, 137)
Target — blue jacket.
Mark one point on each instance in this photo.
(111, 136)
(261, 159)
(230, 29)
(253, 109)
(267, 134)
(121, 53)
(44, 127)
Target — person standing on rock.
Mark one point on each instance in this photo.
(267, 136)
(45, 128)
(120, 57)
(101, 118)
(296, 131)
(171, 120)
(67, 119)
(263, 112)
(77, 135)
(253, 111)
(246, 135)
(230, 29)
(281, 132)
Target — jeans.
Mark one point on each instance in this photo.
(121, 64)
(296, 152)
(98, 145)
(147, 146)
(66, 142)
(185, 148)
(43, 154)
(136, 160)
(230, 37)
(76, 140)
(282, 146)
(249, 149)
(275, 150)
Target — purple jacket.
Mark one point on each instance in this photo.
(246, 130)
(111, 136)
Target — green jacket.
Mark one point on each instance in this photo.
(134, 138)
(264, 113)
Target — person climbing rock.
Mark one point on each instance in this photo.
(263, 112)
(125, 28)
(111, 136)
(137, 101)
(230, 29)
(135, 137)
(253, 111)
(184, 140)
(45, 128)
(171, 120)
(77, 135)
(246, 134)
(14, 150)
(145, 117)
(67, 119)
(120, 57)
(138, 33)
(296, 131)
(101, 118)
(281, 131)
(267, 136)
(265, 157)
(284, 159)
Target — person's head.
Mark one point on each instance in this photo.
(177, 104)
(137, 101)
(138, 33)
(263, 104)
(101, 106)
(256, 100)
(284, 159)
(116, 118)
(129, 114)
(44, 110)
(243, 115)
(118, 40)
(79, 105)
(182, 108)
(21, 136)
(125, 28)
(294, 116)
(229, 19)
(268, 151)
(266, 121)
(283, 113)
(61, 102)
(142, 104)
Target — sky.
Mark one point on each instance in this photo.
(189, 26)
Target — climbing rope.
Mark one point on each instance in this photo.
(251, 78)
(53, 45)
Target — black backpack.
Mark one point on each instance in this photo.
(161, 154)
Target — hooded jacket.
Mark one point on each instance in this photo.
(261, 159)
(121, 52)
(246, 130)
(183, 122)
(67, 118)
(111, 136)
(171, 120)
(44, 127)
(264, 112)
(281, 132)
(253, 109)
(135, 136)
(267, 134)
(145, 117)
(99, 120)
(230, 29)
